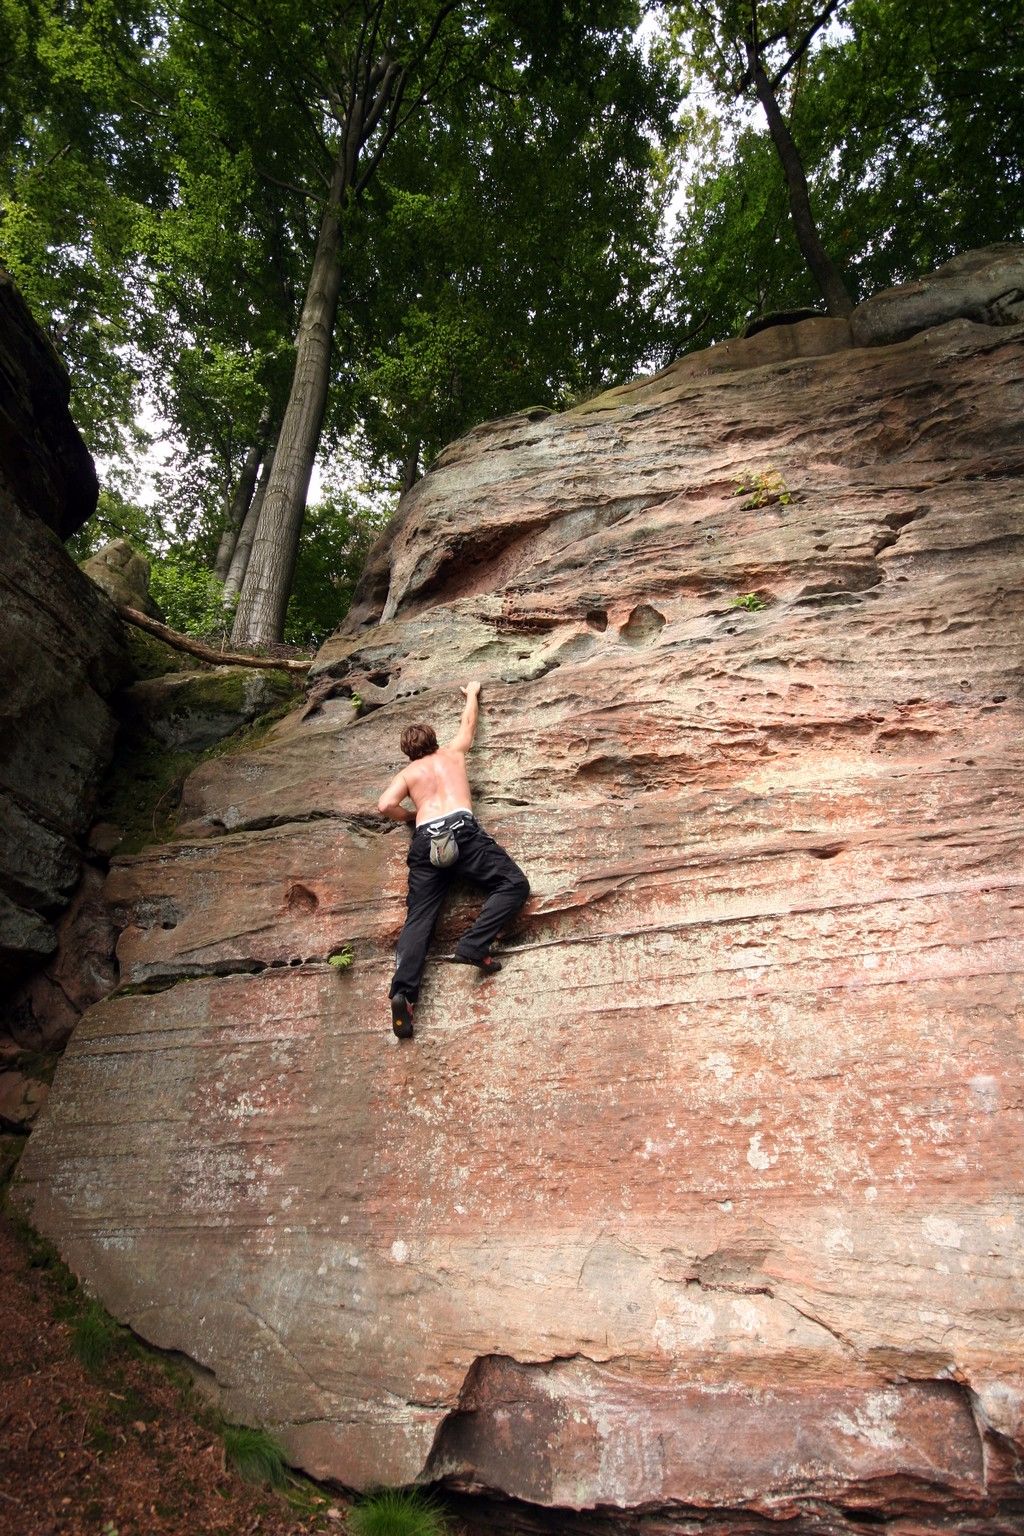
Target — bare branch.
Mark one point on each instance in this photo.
(393, 75)
(289, 186)
(804, 43)
(205, 652)
(390, 128)
(443, 13)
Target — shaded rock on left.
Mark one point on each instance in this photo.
(62, 651)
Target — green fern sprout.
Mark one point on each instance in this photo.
(342, 958)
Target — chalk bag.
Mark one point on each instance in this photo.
(444, 850)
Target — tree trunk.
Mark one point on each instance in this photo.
(240, 502)
(259, 619)
(411, 467)
(247, 533)
(825, 272)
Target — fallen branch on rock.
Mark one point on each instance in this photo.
(206, 652)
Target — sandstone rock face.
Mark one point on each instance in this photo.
(123, 574)
(985, 285)
(61, 649)
(44, 465)
(190, 711)
(710, 1205)
(80, 969)
(58, 734)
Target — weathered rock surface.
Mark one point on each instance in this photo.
(44, 464)
(189, 711)
(123, 574)
(22, 1096)
(165, 723)
(710, 1205)
(986, 286)
(80, 970)
(61, 649)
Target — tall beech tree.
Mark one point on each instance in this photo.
(336, 90)
(516, 261)
(755, 48)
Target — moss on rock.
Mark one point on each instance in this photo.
(192, 711)
(143, 788)
(152, 658)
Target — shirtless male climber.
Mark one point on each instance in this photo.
(437, 784)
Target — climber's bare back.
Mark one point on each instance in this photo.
(438, 784)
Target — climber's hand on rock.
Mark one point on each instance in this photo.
(471, 690)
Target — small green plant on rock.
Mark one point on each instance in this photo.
(255, 1455)
(342, 958)
(750, 601)
(397, 1512)
(763, 489)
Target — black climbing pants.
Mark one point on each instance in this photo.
(481, 860)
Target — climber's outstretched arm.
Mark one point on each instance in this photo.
(463, 738)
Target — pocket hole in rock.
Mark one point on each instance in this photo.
(379, 679)
(642, 625)
(597, 619)
(301, 899)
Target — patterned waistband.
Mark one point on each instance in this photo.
(438, 823)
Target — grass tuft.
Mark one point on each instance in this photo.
(397, 1512)
(95, 1336)
(255, 1455)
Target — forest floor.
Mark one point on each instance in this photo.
(124, 1445)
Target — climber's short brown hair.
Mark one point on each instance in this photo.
(418, 741)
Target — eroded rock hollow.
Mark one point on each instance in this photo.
(710, 1204)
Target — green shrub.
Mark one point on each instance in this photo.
(750, 601)
(191, 597)
(396, 1512)
(763, 489)
(255, 1455)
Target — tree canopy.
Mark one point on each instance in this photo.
(910, 128)
(362, 229)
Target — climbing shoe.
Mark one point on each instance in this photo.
(487, 964)
(401, 1016)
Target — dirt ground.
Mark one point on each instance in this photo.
(116, 1450)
